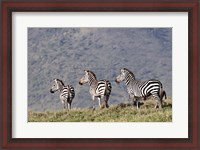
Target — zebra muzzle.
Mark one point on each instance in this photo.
(51, 91)
(116, 81)
(80, 83)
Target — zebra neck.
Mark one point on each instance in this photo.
(129, 81)
(61, 87)
(93, 82)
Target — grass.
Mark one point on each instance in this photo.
(115, 113)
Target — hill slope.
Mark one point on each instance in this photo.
(116, 113)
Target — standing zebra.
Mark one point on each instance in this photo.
(100, 89)
(141, 89)
(67, 93)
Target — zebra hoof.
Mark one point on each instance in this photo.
(107, 106)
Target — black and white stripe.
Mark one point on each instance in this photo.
(98, 88)
(141, 89)
(67, 93)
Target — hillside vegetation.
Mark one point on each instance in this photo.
(115, 113)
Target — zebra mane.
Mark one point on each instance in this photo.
(91, 73)
(130, 72)
(60, 81)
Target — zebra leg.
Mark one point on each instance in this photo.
(93, 99)
(134, 102)
(129, 98)
(64, 105)
(137, 103)
(106, 101)
(99, 102)
(158, 102)
(68, 105)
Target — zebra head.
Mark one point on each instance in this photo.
(57, 85)
(124, 74)
(88, 77)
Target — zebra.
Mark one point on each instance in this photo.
(67, 93)
(141, 89)
(98, 88)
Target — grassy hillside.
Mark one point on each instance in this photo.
(115, 113)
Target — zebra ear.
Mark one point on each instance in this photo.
(86, 71)
(122, 70)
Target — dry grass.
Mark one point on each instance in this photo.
(115, 113)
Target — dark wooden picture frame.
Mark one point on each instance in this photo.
(10, 6)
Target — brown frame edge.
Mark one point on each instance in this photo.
(192, 7)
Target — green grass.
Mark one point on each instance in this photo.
(115, 113)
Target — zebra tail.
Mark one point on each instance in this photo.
(164, 94)
(69, 92)
(107, 89)
(161, 92)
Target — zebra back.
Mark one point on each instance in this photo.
(71, 91)
(103, 87)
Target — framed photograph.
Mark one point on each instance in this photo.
(100, 74)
